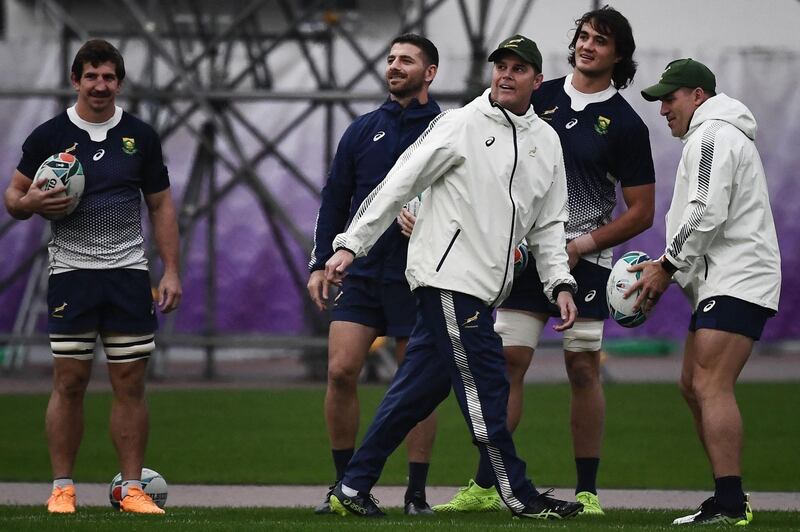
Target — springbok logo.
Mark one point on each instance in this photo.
(548, 115)
(472, 321)
(57, 310)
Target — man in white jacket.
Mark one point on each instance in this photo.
(722, 250)
(492, 174)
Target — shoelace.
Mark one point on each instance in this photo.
(60, 494)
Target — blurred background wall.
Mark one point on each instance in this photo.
(250, 98)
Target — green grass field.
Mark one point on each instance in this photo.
(277, 436)
(21, 518)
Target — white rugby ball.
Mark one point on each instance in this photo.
(619, 281)
(153, 484)
(62, 169)
(413, 205)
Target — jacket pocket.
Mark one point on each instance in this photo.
(447, 251)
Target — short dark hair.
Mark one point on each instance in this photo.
(429, 52)
(95, 52)
(609, 21)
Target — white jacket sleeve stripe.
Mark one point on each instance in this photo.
(398, 165)
(699, 202)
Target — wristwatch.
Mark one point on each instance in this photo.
(668, 266)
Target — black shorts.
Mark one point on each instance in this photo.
(528, 292)
(726, 313)
(117, 300)
(388, 306)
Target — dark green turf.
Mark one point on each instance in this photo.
(278, 436)
(23, 518)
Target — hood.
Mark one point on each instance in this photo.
(484, 104)
(725, 108)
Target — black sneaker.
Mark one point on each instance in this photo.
(360, 505)
(546, 507)
(712, 513)
(325, 506)
(417, 505)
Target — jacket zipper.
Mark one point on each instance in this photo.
(705, 259)
(511, 198)
(449, 247)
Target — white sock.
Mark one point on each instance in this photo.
(350, 492)
(130, 484)
(62, 483)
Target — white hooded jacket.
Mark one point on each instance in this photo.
(490, 178)
(720, 231)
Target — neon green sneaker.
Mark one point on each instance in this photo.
(748, 510)
(591, 503)
(473, 498)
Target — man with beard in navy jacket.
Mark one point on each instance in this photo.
(375, 299)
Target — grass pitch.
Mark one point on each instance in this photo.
(24, 518)
(277, 436)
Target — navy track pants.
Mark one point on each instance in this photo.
(453, 345)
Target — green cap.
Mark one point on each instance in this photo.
(681, 73)
(523, 47)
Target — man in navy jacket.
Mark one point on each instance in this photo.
(375, 299)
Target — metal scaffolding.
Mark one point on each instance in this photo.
(193, 42)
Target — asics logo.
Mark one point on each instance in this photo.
(489, 141)
(99, 154)
(710, 305)
(471, 322)
(571, 123)
(590, 296)
(354, 506)
(378, 136)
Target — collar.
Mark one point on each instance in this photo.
(579, 100)
(97, 132)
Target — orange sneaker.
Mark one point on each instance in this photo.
(62, 501)
(138, 502)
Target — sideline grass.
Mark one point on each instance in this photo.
(278, 437)
(24, 518)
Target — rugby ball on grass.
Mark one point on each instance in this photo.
(153, 484)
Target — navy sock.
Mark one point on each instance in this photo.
(417, 478)
(728, 493)
(587, 474)
(484, 477)
(341, 457)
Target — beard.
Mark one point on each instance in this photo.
(407, 88)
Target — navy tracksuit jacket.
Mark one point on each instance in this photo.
(367, 151)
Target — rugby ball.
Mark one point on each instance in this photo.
(413, 205)
(520, 259)
(153, 484)
(62, 169)
(619, 281)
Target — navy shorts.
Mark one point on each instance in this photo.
(731, 314)
(388, 306)
(528, 292)
(117, 300)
